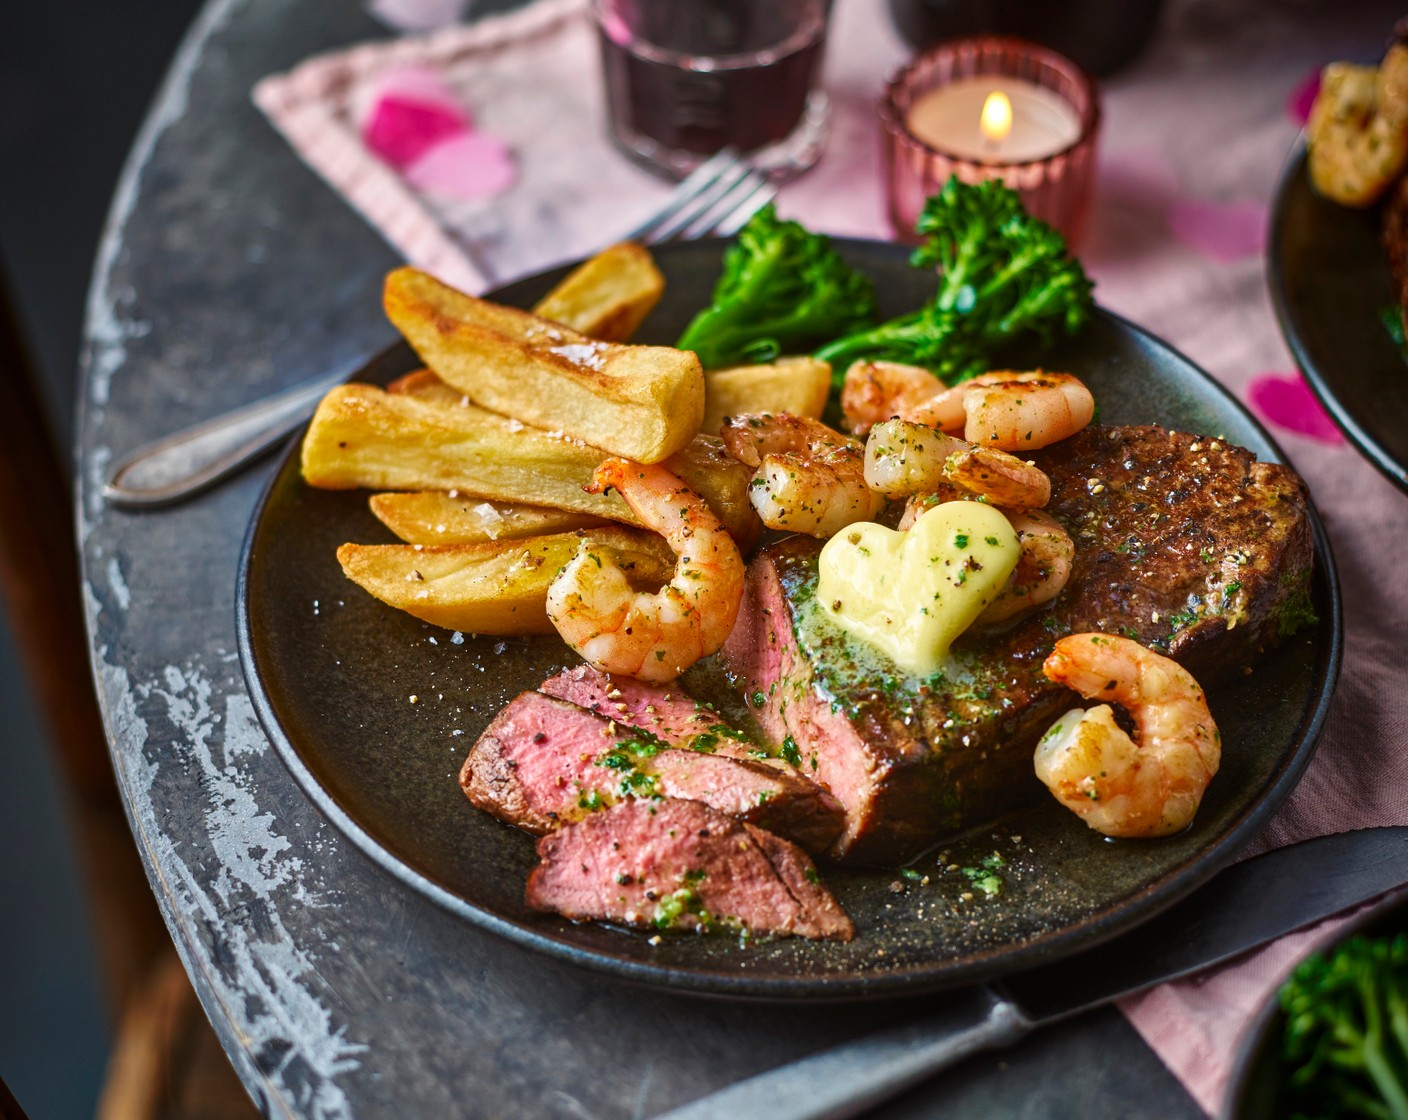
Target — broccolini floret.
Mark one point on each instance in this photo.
(1346, 1036)
(1002, 275)
(783, 290)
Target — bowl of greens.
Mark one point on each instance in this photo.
(1333, 1041)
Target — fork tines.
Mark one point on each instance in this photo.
(718, 196)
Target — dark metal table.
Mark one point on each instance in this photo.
(228, 269)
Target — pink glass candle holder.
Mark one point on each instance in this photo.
(936, 114)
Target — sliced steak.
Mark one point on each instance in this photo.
(1185, 544)
(665, 711)
(682, 865)
(544, 762)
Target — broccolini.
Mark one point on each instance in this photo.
(1346, 1036)
(1002, 274)
(783, 290)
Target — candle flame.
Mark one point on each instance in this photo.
(996, 121)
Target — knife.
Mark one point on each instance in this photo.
(1240, 909)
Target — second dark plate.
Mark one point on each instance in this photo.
(1330, 284)
(333, 673)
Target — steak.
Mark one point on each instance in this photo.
(682, 865)
(662, 710)
(1185, 544)
(544, 762)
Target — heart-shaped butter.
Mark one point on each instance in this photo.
(911, 594)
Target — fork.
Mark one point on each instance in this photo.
(718, 197)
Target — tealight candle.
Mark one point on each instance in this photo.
(996, 120)
(992, 107)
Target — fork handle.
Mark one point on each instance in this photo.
(190, 461)
(855, 1076)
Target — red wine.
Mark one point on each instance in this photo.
(699, 76)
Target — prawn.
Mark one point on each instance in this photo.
(1357, 134)
(902, 458)
(875, 391)
(651, 636)
(1120, 787)
(1041, 571)
(918, 505)
(1009, 410)
(810, 478)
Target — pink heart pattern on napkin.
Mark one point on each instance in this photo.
(414, 122)
(1285, 401)
(468, 165)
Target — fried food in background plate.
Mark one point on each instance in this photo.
(1357, 134)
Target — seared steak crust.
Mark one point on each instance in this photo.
(1186, 544)
(1182, 543)
(544, 762)
(682, 865)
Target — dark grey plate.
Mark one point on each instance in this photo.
(1257, 1088)
(332, 672)
(1330, 284)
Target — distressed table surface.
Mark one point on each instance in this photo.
(228, 270)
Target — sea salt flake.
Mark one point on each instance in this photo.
(588, 354)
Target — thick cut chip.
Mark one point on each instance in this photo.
(448, 517)
(362, 436)
(494, 587)
(425, 386)
(641, 402)
(723, 482)
(796, 385)
(608, 296)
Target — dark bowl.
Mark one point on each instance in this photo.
(1258, 1081)
(1330, 285)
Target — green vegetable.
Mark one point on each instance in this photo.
(1002, 274)
(987, 876)
(783, 289)
(1346, 1039)
(1392, 319)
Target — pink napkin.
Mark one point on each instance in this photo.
(531, 78)
(1176, 245)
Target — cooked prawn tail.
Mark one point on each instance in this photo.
(1147, 786)
(651, 636)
